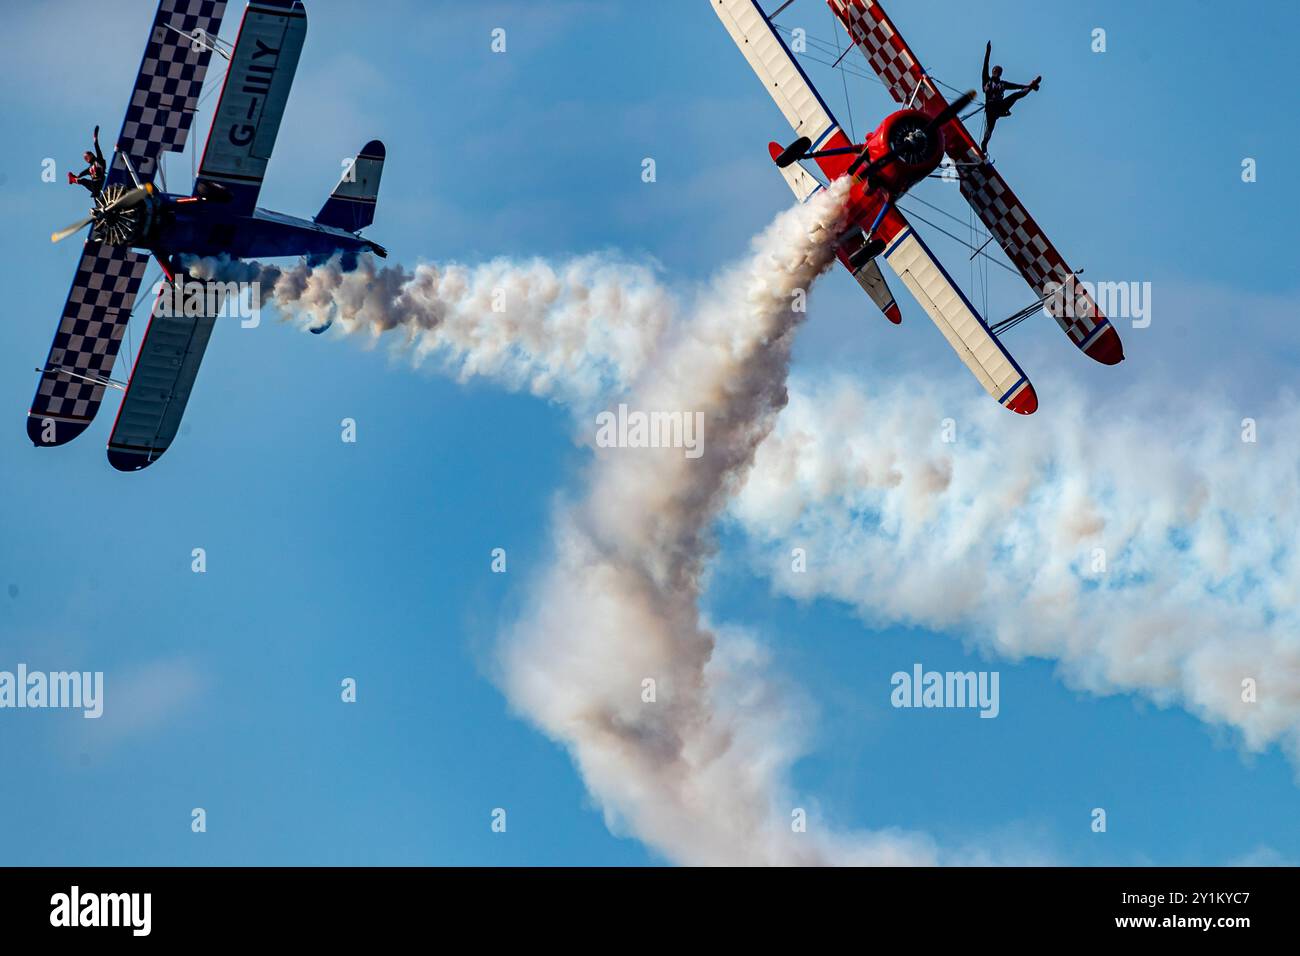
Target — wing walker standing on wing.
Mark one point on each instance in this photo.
(92, 177)
(996, 103)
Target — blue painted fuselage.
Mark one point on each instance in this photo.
(182, 225)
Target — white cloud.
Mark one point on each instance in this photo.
(995, 535)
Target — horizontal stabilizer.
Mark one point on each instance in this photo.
(801, 182)
(352, 204)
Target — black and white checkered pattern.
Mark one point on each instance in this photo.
(159, 113)
(166, 93)
(94, 318)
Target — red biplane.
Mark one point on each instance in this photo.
(905, 148)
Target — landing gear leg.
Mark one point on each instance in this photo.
(865, 253)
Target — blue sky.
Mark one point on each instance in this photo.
(371, 560)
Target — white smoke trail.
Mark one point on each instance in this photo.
(1153, 552)
(573, 332)
(699, 772)
(995, 534)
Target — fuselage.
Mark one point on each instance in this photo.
(176, 225)
(914, 152)
(916, 155)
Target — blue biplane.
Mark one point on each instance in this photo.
(133, 220)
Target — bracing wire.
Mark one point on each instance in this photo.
(913, 214)
(844, 80)
(828, 48)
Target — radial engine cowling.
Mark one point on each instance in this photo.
(122, 216)
(917, 149)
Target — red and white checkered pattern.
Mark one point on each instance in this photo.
(992, 199)
(1023, 241)
(159, 114)
(885, 50)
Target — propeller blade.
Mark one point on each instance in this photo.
(951, 111)
(955, 107)
(858, 161)
(863, 157)
(125, 199)
(75, 227)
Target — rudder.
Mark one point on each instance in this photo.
(352, 204)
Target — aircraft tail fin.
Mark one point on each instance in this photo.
(352, 204)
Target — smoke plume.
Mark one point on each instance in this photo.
(679, 734)
(572, 332)
(1148, 551)
(679, 731)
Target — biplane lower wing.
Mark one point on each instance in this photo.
(950, 310)
(86, 342)
(252, 101)
(161, 382)
(784, 80)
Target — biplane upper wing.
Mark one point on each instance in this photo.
(167, 88)
(1007, 220)
(252, 102)
(950, 310)
(151, 410)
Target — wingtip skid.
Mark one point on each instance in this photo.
(49, 433)
(128, 460)
(1025, 401)
(1106, 348)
